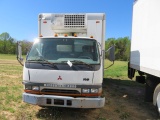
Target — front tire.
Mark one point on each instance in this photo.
(156, 98)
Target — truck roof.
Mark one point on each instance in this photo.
(66, 37)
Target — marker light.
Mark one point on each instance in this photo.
(40, 36)
(56, 35)
(97, 21)
(44, 21)
(65, 35)
(91, 36)
(75, 35)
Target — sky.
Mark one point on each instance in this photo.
(20, 17)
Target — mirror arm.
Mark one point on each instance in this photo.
(19, 58)
(20, 62)
(109, 66)
(108, 49)
(111, 47)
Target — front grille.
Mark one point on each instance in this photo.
(74, 21)
(60, 91)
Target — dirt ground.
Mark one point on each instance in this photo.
(124, 101)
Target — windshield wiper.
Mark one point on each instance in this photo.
(42, 60)
(81, 62)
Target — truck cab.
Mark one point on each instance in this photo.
(65, 64)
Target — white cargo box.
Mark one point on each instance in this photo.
(82, 24)
(145, 40)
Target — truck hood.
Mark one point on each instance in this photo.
(60, 76)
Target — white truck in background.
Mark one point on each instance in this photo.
(145, 48)
(65, 65)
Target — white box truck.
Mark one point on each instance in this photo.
(65, 65)
(145, 48)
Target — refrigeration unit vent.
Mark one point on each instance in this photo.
(74, 21)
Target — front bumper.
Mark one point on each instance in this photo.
(63, 101)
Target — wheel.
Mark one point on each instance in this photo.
(156, 98)
(149, 88)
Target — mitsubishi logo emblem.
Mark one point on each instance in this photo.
(59, 78)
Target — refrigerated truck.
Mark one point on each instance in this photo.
(65, 65)
(145, 48)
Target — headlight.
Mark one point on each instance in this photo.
(27, 87)
(94, 90)
(35, 88)
(85, 90)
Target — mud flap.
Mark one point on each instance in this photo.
(148, 93)
(131, 71)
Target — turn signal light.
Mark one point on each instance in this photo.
(40, 36)
(75, 35)
(97, 21)
(56, 35)
(91, 36)
(65, 35)
(44, 21)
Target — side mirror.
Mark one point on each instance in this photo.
(19, 53)
(111, 53)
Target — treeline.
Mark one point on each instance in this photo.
(8, 44)
(122, 47)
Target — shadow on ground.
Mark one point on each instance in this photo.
(124, 100)
(57, 113)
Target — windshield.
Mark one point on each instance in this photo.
(58, 50)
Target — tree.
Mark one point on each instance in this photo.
(122, 47)
(108, 44)
(26, 45)
(7, 45)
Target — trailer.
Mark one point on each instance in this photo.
(65, 65)
(145, 47)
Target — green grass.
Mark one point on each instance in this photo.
(8, 56)
(117, 70)
(11, 87)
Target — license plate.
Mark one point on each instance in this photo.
(60, 86)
